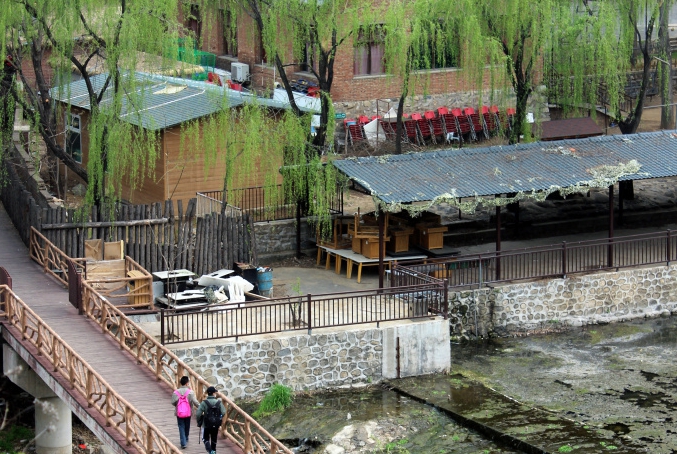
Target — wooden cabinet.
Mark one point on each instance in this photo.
(399, 239)
(430, 236)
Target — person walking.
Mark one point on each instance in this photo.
(184, 400)
(209, 416)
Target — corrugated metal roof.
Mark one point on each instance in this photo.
(540, 166)
(160, 110)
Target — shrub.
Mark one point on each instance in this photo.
(277, 399)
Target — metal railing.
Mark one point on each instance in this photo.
(237, 426)
(552, 261)
(305, 312)
(262, 203)
(116, 411)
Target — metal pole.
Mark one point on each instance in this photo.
(498, 243)
(381, 246)
(162, 326)
(610, 251)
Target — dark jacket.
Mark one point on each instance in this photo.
(203, 408)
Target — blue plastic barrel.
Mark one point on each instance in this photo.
(265, 282)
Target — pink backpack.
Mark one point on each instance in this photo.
(183, 406)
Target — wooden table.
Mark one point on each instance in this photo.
(352, 258)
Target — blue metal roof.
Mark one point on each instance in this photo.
(158, 109)
(526, 168)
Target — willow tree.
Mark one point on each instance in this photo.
(49, 43)
(596, 49)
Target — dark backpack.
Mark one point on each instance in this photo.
(212, 418)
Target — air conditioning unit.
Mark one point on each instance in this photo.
(239, 72)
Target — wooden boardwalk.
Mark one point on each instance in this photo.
(133, 382)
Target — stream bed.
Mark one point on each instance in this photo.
(600, 388)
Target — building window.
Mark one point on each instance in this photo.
(432, 56)
(73, 138)
(369, 52)
(229, 33)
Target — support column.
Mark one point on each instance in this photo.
(53, 418)
(53, 426)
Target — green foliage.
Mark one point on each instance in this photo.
(277, 399)
(565, 448)
(12, 435)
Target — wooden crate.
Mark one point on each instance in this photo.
(370, 248)
(430, 237)
(399, 239)
(134, 299)
(357, 245)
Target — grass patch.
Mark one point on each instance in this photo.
(277, 399)
(11, 436)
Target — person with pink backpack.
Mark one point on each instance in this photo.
(184, 400)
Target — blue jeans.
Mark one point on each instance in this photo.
(184, 429)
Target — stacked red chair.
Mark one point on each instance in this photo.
(477, 123)
(463, 125)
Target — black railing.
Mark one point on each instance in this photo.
(551, 261)
(263, 203)
(306, 312)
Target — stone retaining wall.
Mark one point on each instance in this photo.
(573, 301)
(247, 368)
(537, 103)
(277, 239)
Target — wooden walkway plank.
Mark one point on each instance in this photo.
(133, 382)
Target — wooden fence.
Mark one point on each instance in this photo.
(156, 236)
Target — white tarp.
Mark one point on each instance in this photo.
(302, 101)
(391, 115)
(374, 132)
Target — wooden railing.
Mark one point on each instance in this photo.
(53, 260)
(118, 413)
(237, 426)
(133, 287)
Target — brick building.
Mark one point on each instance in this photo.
(359, 80)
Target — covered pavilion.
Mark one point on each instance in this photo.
(502, 175)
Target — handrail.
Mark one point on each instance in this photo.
(137, 290)
(53, 260)
(237, 425)
(307, 312)
(554, 260)
(118, 413)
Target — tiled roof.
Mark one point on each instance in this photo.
(571, 128)
(538, 166)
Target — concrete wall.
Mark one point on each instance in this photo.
(350, 357)
(557, 303)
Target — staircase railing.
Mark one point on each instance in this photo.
(118, 413)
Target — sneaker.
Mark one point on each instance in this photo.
(183, 446)
(212, 452)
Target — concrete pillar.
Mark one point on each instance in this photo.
(53, 418)
(53, 426)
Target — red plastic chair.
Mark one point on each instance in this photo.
(388, 128)
(463, 125)
(451, 128)
(490, 120)
(411, 131)
(477, 123)
(363, 119)
(425, 131)
(436, 124)
(442, 111)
